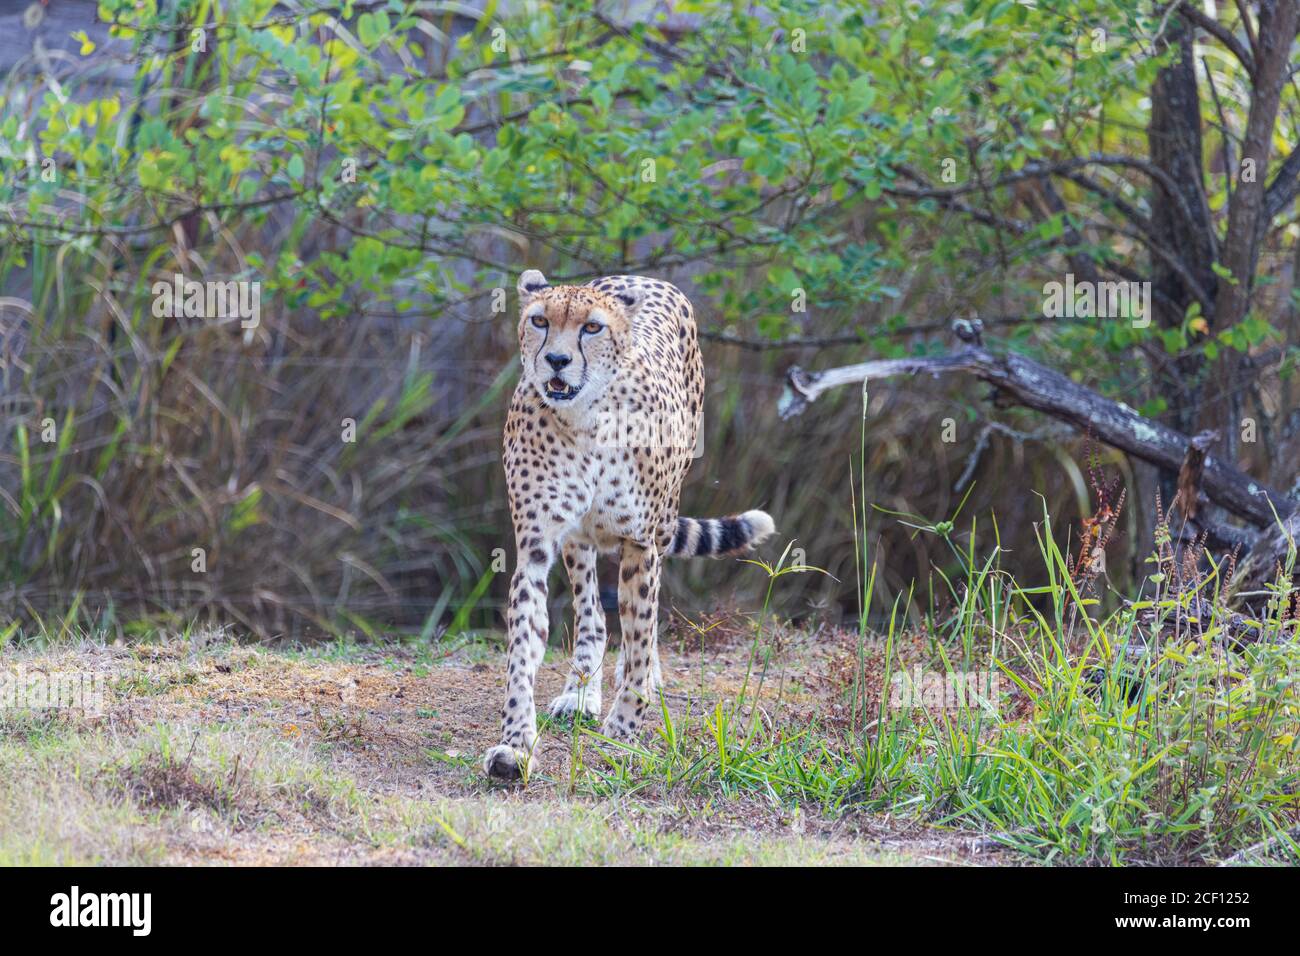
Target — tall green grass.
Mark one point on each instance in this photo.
(1186, 752)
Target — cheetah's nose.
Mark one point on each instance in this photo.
(558, 361)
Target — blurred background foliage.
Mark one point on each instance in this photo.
(386, 169)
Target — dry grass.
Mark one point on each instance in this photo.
(220, 754)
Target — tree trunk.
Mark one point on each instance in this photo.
(1174, 142)
(1247, 217)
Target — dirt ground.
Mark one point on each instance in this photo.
(209, 752)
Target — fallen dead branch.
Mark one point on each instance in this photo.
(1034, 385)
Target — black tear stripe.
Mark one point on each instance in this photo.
(705, 545)
(546, 334)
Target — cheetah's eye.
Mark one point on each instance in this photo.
(539, 322)
(591, 328)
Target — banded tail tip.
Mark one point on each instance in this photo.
(717, 537)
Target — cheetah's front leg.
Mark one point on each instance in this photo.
(526, 630)
(638, 611)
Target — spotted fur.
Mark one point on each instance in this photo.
(599, 436)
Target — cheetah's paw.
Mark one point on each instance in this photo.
(619, 727)
(505, 762)
(574, 702)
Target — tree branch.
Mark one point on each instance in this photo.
(1285, 186)
(1036, 386)
(1063, 168)
(1194, 14)
(856, 338)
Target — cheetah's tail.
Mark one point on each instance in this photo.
(714, 537)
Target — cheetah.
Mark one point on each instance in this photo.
(598, 438)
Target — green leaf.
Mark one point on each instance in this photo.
(1224, 273)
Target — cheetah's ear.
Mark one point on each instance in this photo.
(631, 299)
(531, 282)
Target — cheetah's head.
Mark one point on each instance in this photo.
(571, 339)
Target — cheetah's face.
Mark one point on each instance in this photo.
(571, 340)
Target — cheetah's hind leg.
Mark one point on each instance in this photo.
(638, 599)
(656, 681)
(581, 693)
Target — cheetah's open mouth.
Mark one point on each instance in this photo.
(560, 390)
